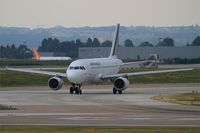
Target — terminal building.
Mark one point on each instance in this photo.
(142, 53)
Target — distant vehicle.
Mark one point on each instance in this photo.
(37, 57)
(151, 62)
(95, 70)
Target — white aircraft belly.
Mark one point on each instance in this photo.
(94, 75)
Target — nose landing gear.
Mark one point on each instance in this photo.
(75, 89)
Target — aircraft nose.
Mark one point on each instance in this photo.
(74, 77)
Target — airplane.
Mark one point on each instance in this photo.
(94, 70)
(37, 57)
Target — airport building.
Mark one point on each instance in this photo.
(141, 53)
(52, 54)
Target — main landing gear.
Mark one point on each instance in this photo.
(75, 89)
(115, 91)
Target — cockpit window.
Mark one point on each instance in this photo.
(77, 68)
(82, 67)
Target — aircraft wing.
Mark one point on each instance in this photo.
(38, 72)
(137, 62)
(143, 73)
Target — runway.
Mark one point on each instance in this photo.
(98, 107)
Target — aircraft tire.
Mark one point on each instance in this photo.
(120, 91)
(77, 90)
(114, 90)
(80, 92)
(71, 90)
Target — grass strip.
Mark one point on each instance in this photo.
(11, 78)
(23, 129)
(3, 107)
(184, 98)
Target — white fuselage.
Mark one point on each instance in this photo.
(90, 70)
(54, 58)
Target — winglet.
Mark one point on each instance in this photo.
(115, 42)
(36, 55)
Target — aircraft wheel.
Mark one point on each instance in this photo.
(80, 92)
(77, 90)
(114, 90)
(120, 91)
(71, 90)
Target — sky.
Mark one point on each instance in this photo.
(78, 13)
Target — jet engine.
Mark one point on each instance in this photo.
(121, 83)
(55, 83)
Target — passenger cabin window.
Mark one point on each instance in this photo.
(77, 68)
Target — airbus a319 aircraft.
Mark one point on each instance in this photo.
(37, 57)
(95, 70)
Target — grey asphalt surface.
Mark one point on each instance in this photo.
(98, 107)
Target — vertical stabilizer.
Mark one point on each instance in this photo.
(115, 42)
(36, 55)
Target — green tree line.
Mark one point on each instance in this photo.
(70, 48)
(13, 52)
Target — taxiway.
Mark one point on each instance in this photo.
(98, 108)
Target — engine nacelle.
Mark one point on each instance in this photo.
(121, 83)
(55, 83)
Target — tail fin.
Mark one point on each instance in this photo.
(36, 55)
(115, 42)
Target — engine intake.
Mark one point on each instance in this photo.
(55, 83)
(121, 83)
